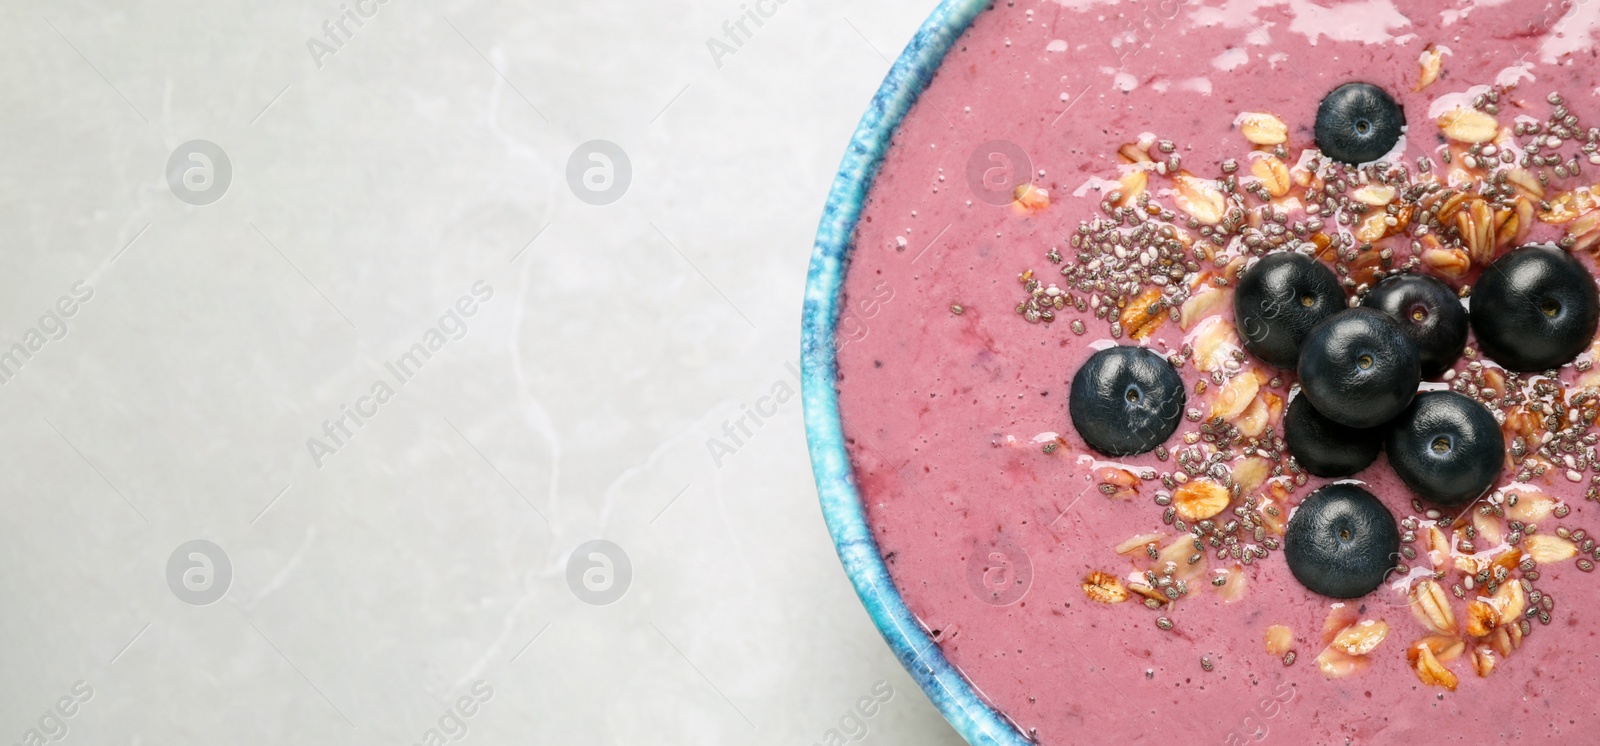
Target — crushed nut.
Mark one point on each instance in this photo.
(1438, 547)
(1135, 153)
(1530, 507)
(1468, 125)
(1201, 305)
(1432, 672)
(1279, 639)
(1432, 63)
(1148, 592)
(1361, 638)
(1547, 548)
(1340, 616)
(1199, 499)
(1117, 484)
(1262, 129)
(1273, 175)
(1431, 605)
(1483, 660)
(1028, 198)
(1568, 206)
(1337, 664)
(1214, 344)
(1482, 618)
(1104, 587)
(1133, 184)
(1477, 228)
(1135, 544)
(1144, 314)
(1234, 587)
(1509, 600)
(1445, 649)
(1501, 639)
(1376, 195)
(1235, 396)
(1200, 198)
(1249, 473)
(1176, 557)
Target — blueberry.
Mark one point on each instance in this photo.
(1341, 542)
(1358, 123)
(1279, 299)
(1324, 447)
(1358, 368)
(1535, 308)
(1126, 400)
(1428, 312)
(1447, 448)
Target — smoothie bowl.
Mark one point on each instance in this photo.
(1221, 371)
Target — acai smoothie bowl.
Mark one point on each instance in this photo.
(1222, 371)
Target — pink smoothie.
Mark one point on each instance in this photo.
(993, 515)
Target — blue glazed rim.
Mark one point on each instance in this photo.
(955, 697)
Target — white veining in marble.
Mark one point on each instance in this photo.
(425, 560)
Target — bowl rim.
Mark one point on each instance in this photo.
(955, 697)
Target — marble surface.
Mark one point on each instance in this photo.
(334, 348)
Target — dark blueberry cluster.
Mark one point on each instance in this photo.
(1360, 370)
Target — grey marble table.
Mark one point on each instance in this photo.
(331, 332)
